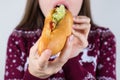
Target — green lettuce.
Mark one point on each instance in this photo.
(58, 14)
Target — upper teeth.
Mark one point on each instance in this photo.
(58, 5)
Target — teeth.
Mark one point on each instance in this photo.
(58, 5)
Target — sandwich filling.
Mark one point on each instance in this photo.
(58, 15)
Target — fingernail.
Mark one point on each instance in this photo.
(74, 18)
(74, 26)
(48, 51)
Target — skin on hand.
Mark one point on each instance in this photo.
(80, 32)
(40, 67)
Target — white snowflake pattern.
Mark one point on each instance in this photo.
(22, 56)
(10, 50)
(60, 78)
(105, 78)
(6, 67)
(20, 68)
(98, 52)
(100, 66)
(14, 61)
(113, 66)
(114, 56)
(114, 72)
(16, 42)
(105, 43)
(89, 77)
(109, 49)
(6, 73)
(108, 59)
(26, 64)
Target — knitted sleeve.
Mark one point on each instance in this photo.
(107, 58)
(15, 58)
(18, 46)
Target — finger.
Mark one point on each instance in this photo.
(81, 37)
(34, 50)
(85, 26)
(78, 34)
(65, 53)
(68, 47)
(43, 59)
(83, 29)
(35, 46)
(81, 19)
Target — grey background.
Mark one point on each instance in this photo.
(105, 13)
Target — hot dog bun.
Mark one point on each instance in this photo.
(54, 39)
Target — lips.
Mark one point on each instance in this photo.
(61, 2)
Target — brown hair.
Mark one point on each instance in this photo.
(33, 17)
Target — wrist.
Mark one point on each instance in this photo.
(38, 74)
(32, 72)
(29, 76)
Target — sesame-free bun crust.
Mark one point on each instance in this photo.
(55, 39)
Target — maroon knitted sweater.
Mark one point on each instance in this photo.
(96, 62)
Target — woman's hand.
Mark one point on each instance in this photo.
(41, 67)
(80, 33)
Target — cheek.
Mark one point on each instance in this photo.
(45, 9)
(76, 8)
(75, 12)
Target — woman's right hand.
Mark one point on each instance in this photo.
(41, 67)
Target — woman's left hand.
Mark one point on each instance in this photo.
(80, 31)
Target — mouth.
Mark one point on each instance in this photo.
(57, 4)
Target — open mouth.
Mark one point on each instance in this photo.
(58, 5)
(61, 2)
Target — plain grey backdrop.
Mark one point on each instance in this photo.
(105, 13)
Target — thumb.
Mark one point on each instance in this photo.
(34, 50)
(43, 59)
(65, 54)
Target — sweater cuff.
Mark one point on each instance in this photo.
(28, 76)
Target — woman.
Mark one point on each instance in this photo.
(89, 53)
